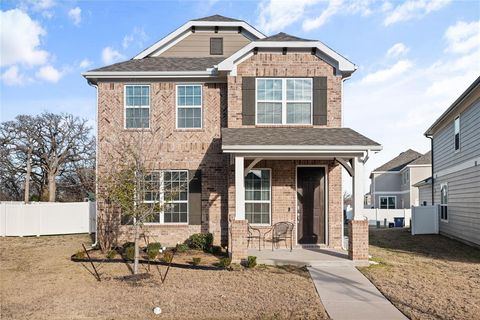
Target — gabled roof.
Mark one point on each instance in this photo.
(282, 36)
(425, 159)
(400, 161)
(216, 17)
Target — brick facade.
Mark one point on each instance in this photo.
(358, 239)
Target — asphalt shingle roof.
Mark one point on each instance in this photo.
(425, 159)
(217, 17)
(163, 64)
(282, 36)
(400, 161)
(294, 136)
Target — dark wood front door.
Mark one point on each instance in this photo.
(311, 205)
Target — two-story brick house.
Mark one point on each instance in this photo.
(253, 123)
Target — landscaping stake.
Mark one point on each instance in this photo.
(91, 262)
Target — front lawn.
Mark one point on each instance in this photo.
(39, 281)
(426, 276)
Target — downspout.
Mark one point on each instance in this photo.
(96, 161)
(433, 179)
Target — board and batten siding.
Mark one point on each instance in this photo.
(463, 182)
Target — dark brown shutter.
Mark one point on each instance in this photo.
(195, 197)
(320, 100)
(216, 46)
(248, 100)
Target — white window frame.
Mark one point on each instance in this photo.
(455, 133)
(388, 206)
(284, 102)
(190, 107)
(262, 201)
(163, 202)
(445, 184)
(142, 107)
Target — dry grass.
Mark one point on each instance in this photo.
(38, 281)
(426, 276)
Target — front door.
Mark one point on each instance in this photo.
(311, 205)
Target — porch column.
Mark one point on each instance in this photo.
(358, 227)
(239, 188)
(238, 226)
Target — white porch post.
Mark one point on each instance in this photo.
(358, 188)
(239, 188)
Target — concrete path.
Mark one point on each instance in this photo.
(347, 294)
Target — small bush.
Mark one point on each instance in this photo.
(225, 262)
(80, 254)
(182, 247)
(251, 262)
(128, 244)
(153, 249)
(196, 261)
(111, 254)
(167, 256)
(129, 253)
(201, 241)
(216, 250)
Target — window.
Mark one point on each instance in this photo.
(457, 133)
(388, 202)
(444, 201)
(216, 46)
(189, 106)
(167, 193)
(137, 106)
(258, 196)
(284, 101)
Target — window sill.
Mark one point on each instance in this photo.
(284, 125)
(167, 224)
(189, 130)
(137, 130)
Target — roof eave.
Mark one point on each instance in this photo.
(148, 74)
(292, 149)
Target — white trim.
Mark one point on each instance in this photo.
(185, 28)
(459, 167)
(327, 239)
(343, 64)
(211, 72)
(383, 172)
(391, 192)
(190, 107)
(239, 188)
(260, 201)
(141, 107)
(287, 148)
(388, 206)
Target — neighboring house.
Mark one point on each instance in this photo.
(393, 183)
(252, 123)
(456, 166)
(424, 191)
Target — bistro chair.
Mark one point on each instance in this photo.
(253, 234)
(281, 231)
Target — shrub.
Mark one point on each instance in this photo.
(251, 262)
(216, 250)
(128, 244)
(111, 254)
(196, 261)
(225, 262)
(200, 241)
(153, 249)
(129, 253)
(80, 254)
(167, 256)
(182, 247)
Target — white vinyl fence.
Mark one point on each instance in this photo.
(425, 220)
(46, 218)
(374, 215)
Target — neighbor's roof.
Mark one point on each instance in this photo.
(400, 161)
(282, 36)
(217, 17)
(295, 137)
(162, 64)
(425, 159)
(473, 86)
(423, 182)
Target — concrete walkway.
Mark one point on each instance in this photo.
(347, 294)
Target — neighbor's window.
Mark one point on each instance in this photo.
(444, 201)
(388, 202)
(189, 106)
(137, 106)
(258, 196)
(284, 101)
(457, 133)
(216, 46)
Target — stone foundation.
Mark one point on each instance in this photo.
(358, 239)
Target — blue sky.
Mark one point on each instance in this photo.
(414, 57)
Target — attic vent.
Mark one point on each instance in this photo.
(216, 46)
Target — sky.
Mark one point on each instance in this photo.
(414, 58)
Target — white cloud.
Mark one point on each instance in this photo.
(137, 36)
(463, 36)
(110, 55)
(387, 74)
(49, 73)
(333, 7)
(398, 49)
(76, 15)
(20, 39)
(12, 77)
(413, 9)
(85, 63)
(42, 6)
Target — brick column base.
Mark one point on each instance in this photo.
(238, 240)
(358, 239)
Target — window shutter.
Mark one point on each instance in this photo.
(248, 100)
(195, 197)
(320, 100)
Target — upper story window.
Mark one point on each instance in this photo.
(457, 133)
(137, 106)
(216, 46)
(284, 101)
(189, 106)
(388, 202)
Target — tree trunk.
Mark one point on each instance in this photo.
(27, 176)
(135, 259)
(52, 187)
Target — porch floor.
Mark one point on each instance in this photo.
(315, 257)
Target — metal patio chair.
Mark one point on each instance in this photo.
(253, 234)
(281, 231)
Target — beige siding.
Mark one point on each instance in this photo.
(417, 174)
(425, 195)
(198, 44)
